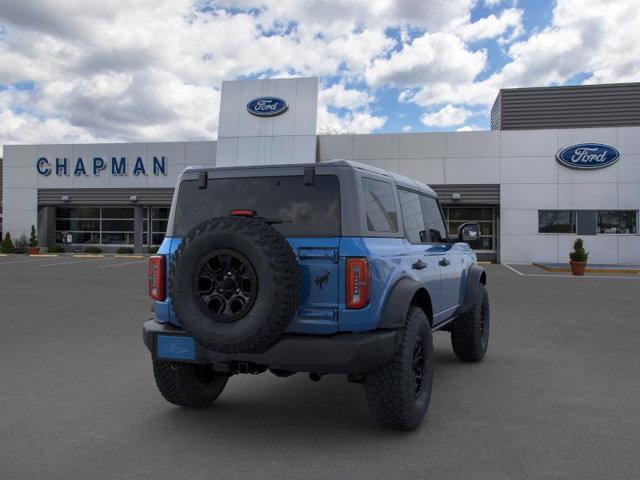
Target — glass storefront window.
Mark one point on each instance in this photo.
(556, 221)
(95, 225)
(618, 221)
(159, 219)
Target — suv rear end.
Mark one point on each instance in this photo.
(304, 205)
(305, 268)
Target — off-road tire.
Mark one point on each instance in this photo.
(470, 331)
(278, 284)
(188, 385)
(390, 389)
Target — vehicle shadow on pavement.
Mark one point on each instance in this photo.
(286, 406)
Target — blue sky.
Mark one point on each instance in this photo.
(77, 71)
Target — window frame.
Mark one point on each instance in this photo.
(573, 211)
(616, 210)
(424, 223)
(448, 239)
(577, 219)
(394, 190)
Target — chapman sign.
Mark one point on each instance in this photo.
(588, 156)
(96, 165)
(267, 106)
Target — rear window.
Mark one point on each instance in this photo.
(306, 210)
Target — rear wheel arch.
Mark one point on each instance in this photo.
(422, 299)
(405, 293)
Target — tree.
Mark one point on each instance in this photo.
(7, 244)
(33, 239)
(332, 129)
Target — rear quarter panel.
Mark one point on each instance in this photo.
(389, 260)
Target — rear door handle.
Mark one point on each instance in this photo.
(419, 265)
(444, 262)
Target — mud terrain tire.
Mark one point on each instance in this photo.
(234, 284)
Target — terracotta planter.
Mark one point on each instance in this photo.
(34, 250)
(578, 268)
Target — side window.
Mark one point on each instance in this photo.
(379, 206)
(433, 219)
(412, 216)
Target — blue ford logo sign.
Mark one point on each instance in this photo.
(267, 106)
(588, 156)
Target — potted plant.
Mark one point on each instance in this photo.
(578, 258)
(33, 242)
(7, 244)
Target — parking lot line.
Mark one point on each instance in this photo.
(69, 263)
(617, 277)
(513, 269)
(121, 264)
(21, 261)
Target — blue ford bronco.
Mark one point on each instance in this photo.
(323, 268)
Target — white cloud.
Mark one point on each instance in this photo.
(509, 20)
(151, 69)
(432, 57)
(447, 116)
(351, 122)
(407, 128)
(338, 96)
(582, 37)
(469, 128)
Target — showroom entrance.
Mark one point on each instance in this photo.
(487, 246)
(106, 218)
(474, 203)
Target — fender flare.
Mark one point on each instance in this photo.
(475, 276)
(398, 303)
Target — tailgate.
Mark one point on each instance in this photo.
(320, 285)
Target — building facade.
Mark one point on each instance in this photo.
(530, 204)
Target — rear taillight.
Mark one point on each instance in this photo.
(156, 277)
(357, 282)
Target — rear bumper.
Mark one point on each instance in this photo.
(339, 353)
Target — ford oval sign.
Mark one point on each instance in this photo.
(267, 106)
(588, 156)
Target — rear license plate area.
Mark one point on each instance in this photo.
(175, 347)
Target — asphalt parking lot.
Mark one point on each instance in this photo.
(558, 395)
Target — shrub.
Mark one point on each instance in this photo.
(33, 238)
(7, 244)
(20, 245)
(579, 254)
(92, 250)
(56, 249)
(153, 249)
(125, 250)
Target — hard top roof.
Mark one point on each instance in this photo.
(400, 180)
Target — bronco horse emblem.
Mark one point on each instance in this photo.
(321, 280)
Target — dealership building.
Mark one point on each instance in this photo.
(559, 162)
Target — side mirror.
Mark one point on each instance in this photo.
(469, 232)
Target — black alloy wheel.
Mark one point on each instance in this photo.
(225, 285)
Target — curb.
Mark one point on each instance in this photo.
(589, 270)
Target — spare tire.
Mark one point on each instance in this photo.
(234, 284)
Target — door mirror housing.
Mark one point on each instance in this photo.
(469, 232)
